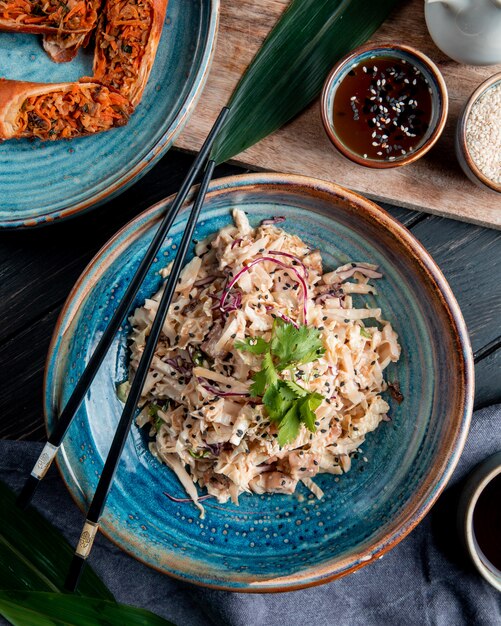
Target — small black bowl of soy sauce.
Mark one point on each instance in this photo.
(479, 518)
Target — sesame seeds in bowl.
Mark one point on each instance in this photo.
(478, 136)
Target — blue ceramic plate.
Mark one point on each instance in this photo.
(44, 181)
(274, 542)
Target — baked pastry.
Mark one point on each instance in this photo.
(59, 111)
(66, 25)
(127, 39)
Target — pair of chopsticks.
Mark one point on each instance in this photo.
(91, 526)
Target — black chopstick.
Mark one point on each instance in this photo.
(96, 507)
(56, 436)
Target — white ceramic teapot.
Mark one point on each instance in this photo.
(469, 31)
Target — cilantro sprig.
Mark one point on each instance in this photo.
(288, 404)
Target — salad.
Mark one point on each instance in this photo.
(266, 373)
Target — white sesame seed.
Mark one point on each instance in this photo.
(483, 133)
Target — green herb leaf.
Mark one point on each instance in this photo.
(258, 387)
(278, 400)
(123, 390)
(256, 345)
(293, 345)
(307, 407)
(289, 426)
(288, 71)
(286, 402)
(296, 389)
(153, 413)
(198, 455)
(32, 608)
(365, 333)
(267, 376)
(198, 357)
(34, 556)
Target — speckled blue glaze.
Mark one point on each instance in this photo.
(44, 181)
(274, 542)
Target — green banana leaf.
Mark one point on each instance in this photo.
(288, 71)
(35, 608)
(34, 561)
(34, 556)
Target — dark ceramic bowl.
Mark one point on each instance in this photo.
(273, 542)
(478, 480)
(440, 100)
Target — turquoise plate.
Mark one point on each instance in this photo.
(45, 181)
(274, 542)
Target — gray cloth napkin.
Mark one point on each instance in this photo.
(425, 580)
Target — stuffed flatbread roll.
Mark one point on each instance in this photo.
(59, 111)
(49, 16)
(126, 44)
(62, 48)
(66, 24)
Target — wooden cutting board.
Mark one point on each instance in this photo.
(434, 184)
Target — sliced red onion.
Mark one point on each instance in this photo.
(204, 281)
(218, 392)
(183, 500)
(180, 365)
(262, 259)
(292, 256)
(332, 293)
(273, 220)
(233, 303)
(214, 448)
(235, 243)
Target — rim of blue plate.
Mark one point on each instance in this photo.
(434, 485)
(156, 151)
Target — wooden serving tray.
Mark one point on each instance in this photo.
(434, 184)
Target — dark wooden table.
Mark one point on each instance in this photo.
(39, 267)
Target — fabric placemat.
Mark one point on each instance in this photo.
(426, 580)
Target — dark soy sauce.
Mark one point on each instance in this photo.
(487, 522)
(382, 108)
